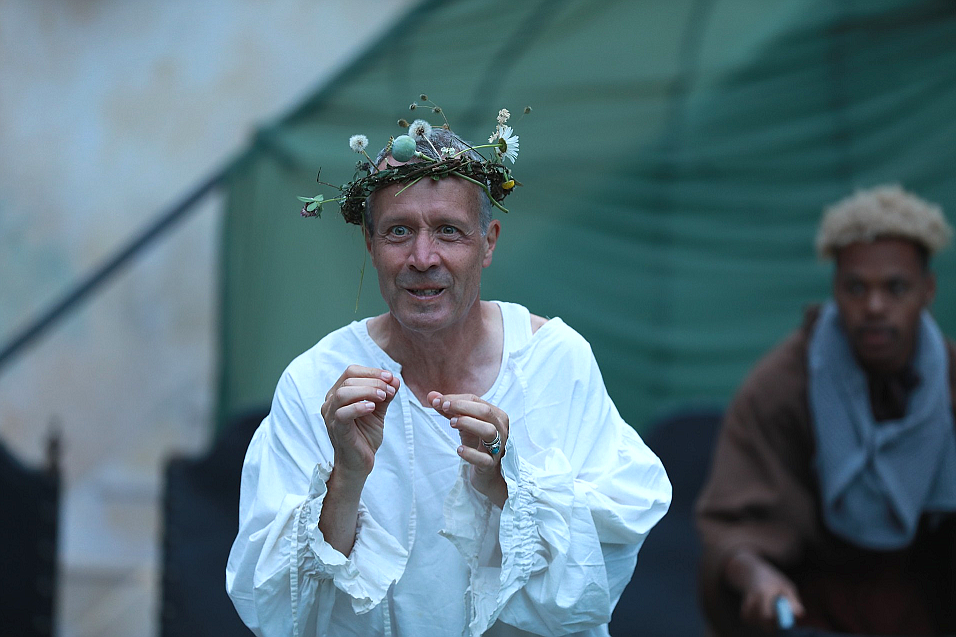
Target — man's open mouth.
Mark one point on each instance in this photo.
(427, 292)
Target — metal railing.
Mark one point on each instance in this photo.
(81, 291)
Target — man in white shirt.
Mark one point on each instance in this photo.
(454, 466)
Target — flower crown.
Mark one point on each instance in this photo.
(465, 162)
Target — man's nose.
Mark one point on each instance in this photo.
(876, 302)
(424, 253)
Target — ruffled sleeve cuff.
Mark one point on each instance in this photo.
(536, 519)
(534, 526)
(376, 561)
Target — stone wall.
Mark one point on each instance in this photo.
(110, 111)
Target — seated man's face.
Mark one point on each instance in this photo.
(429, 252)
(880, 289)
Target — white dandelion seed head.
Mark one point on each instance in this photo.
(358, 143)
(420, 130)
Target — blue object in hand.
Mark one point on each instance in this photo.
(784, 613)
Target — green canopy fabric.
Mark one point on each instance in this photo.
(675, 166)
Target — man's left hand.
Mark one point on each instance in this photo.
(477, 421)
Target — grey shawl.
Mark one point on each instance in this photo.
(877, 479)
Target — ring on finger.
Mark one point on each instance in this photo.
(493, 447)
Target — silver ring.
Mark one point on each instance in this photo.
(493, 447)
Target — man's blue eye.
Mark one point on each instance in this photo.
(399, 231)
(448, 230)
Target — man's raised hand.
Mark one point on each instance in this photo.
(477, 421)
(354, 414)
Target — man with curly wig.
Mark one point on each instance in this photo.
(833, 484)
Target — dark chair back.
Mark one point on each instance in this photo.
(661, 599)
(201, 505)
(29, 501)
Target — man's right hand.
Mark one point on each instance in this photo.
(354, 414)
(760, 584)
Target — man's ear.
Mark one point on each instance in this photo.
(491, 240)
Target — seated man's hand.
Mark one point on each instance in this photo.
(477, 421)
(760, 584)
(354, 414)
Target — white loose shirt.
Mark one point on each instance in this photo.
(432, 556)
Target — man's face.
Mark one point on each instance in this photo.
(429, 252)
(880, 289)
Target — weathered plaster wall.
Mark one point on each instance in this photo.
(110, 110)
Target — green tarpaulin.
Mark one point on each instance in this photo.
(675, 166)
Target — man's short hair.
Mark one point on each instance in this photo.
(882, 212)
(441, 138)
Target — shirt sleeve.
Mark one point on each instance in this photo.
(557, 557)
(282, 576)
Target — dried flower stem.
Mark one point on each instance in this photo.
(409, 185)
(483, 187)
(358, 294)
(435, 108)
(370, 162)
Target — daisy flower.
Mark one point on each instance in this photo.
(507, 143)
(420, 130)
(358, 143)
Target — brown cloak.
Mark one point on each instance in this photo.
(762, 494)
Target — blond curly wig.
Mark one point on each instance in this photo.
(882, 212)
